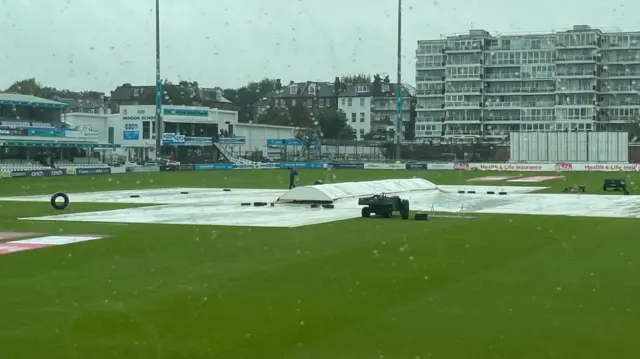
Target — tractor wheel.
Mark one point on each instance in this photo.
(404, 209)
(366, 212)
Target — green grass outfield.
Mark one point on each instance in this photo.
(496, 287)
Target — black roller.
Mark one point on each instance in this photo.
(491, 192)
(315, 206)
(245, 204)
(421, 217)
(57, 205)
(184, 192)
(259, 204)
(135, 196)
(471, 192)
(502, 193)
(461, 192)
(227, 190)
(328, 206)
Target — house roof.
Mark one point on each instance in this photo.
(127, 92)
(74, 103)
(326, 89)
(353, 91)
(8, 98)
(301, 90)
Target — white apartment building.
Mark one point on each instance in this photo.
(482, 86)
(371, 109)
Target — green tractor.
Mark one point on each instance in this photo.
(384, 206)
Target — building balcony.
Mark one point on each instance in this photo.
(612, 46)
(462, 120)
(429, 65)
(575, 74)
(622, 103)
(538, 104)
(501, 119)
(429, 120)
(620, 90)
(576, 105)
(430, 93)
(515, 76)
(469, 78)
(575, 90)
(622, 119)
(462, 133)
(430, 109)
(477, 63)
(622, 60)
(462, 105)
(464, 90)
(430, 78)
(586, 45)
(576, 59)
(502, 105)
(462, 49)
(502, 65)
(520, 90)
(623, 74)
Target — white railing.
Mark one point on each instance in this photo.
(230, 157)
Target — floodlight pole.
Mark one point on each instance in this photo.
(399, 84)
(159, 124)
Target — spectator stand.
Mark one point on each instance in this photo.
(33, 137)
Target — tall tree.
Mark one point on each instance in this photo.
(245, 97)
(356, 78)
(34, 88)
(300, 116)
(275, 116)
(183, 93)
(307, 138)
(333, 124)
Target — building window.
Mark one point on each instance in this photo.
(362, 88)
(145, 130)
(350, 101)
(361, 101)
(293, 89)
(361, 116)
(385, 88)
(344, 101)
(361, 132)
(353, 117)
(312, 89)
(293, 102)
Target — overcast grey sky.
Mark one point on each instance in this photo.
(99, 44)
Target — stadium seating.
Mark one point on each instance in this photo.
(26, 165)
(26, 124)
(20, 165)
